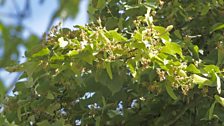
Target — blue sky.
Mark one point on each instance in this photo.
(38, 22)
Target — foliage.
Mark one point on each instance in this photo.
(140, 63)
(12, 35)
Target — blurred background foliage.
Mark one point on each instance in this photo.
(20, 30)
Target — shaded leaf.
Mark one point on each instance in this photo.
(170, 92)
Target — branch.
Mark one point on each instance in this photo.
(171, 122)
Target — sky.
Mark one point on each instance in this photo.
(37, 23)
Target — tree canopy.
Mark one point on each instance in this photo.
(139, 62)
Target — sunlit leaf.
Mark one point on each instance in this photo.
(220, 100)
(218, 82)
(43, 52)
(172, 48)
(192, 68)
(201, 80)
(217, 26)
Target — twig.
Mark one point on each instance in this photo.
(171, 122)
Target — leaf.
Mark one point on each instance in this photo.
(115, 84)
(115, 35)
(220, 100)
(217, 26)
(170, 92)
(211, 69)
(220, 56)
(72, 53)
(205, 9)
(100, 4)
(192, 68)
(108, 68)
(218, 82)
(172, 49)
(211, 110)
(132, 69)
(163, 33)
(2, 91)
(201, 80)
(43, 123)
(19, 113)
(97, 121)
(50, 95)
(182, 73)
(57, 57)
(43, 52)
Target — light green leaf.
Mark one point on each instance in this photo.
(163, 33)
(201, 80)
(218, 82)
(192, 68)
(217, 26)
(72, 53)
(57, 57)
(132, 69)
(182, 73)
(170, 92)
(219, 100)
(172, 48)
(108, 68)
(115, 35)
(43, 52)
(211, 69)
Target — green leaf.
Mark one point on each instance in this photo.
(2, 91)
(44, 123)
(170, 92)
(57, 57)
(218, 82)
(217, 26)
(220, 100)
(100, 4)
(220, 56)
(108, 68)
(192, 68)
(211, 110)
(201, 80)
(163, 33)
(115, 84)
(205, 9)
(113, 34)
(43, 52)
(132, 69)
(172, 49)
(50, 95)
(72, 53)
(211, 69)
(97, 121)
